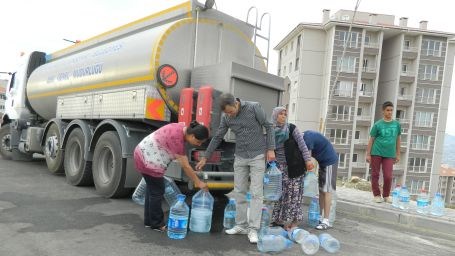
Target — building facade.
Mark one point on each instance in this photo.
(3, 83)
(446, 184)
(341, 70)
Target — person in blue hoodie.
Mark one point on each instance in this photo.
(323, 151)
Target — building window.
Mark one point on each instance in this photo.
(296, 64)
(417, 164)
(290, 67)
(342, 160)
(420, 142)
(357, 135)
(404, 68)
(426, 95)
(416, 186)
(341, 113)
(342, 38)
(431, 48)
(339, 136)
(407, 44)
(423, 119)
(345, 18)
(354, 157)
(293, 107)
(346, 64)
(429, 72)
(2, 96)
(343, 89)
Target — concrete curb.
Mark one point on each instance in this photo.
(394, 216)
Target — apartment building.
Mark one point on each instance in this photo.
(341, 70)
(446, 185)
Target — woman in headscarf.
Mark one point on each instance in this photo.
(294, 159)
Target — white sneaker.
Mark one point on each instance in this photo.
(236, 230)
(253, 236)
(378, 199)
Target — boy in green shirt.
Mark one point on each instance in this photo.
(384, 149)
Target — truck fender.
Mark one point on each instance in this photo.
(129, 134)
(61, 127)
(87, 129)
(5, 120)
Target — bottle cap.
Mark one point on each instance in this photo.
(181, 197)
(231, 200)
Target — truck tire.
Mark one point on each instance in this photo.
(78, 171)
(109, 170)
(52, 151)
(5, 142)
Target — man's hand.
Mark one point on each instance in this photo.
(201, 164)
(397, 159)
(309, 165)
(368, 158)
(202, 185)
(270, 155)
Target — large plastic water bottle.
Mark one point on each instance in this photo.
(248, 201)
(423, 202)
(310, 184)
(272, 243)
(404, 198)
(265, 222)
(333, 208)
(437, 205)
(201, 212)
(396, 196)
(177, 224)
(273, 179)
(229, 214)
(329, 243)
(171, 191)
(308, 242)
(277, 231)
(139, 193)
(313, 212)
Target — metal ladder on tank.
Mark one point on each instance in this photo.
(256, 53)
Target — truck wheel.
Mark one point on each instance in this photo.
(54, 155)
(5, 142)
(78, 171)
(109, 170)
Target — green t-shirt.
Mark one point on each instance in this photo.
(385, 136)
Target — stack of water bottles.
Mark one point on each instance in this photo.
(308, 242)
(272, 182)
(271, 239)
(201, 212)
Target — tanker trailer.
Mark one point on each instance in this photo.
(87, 106)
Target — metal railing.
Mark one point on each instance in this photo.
(410, 49)
(366, 93)
(369, 69)
(405, 97)
(361, 141)
(371, 45)
(364, 118)
(408, 73)
(359, 165)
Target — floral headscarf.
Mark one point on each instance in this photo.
(281, 130)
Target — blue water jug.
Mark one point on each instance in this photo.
(313, 212)
(310, 185)
(423, 202)
(404, 198)
(229, 214)
(437, 205)
(329, 243)
(201, 212)
(177, 224)
(272, 183)
(265, 222)
(139, 193)
(272, 243)
(171, 191)
(396, 196)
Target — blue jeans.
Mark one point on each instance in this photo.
(153, 213)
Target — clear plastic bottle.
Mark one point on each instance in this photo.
(404, 198)
(423, 202)
(229, 214)
(272, 243)
(139, 193)
(272, 183)
(171, 191)
(437, 205)
(396, 196)
(308, 242)
(313, 212)
(310, 185)
(329, 243)
(265, 222)
(278, 231)
(177, 224)
(201, 212)
(248, 201)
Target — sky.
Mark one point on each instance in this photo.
(42, 25)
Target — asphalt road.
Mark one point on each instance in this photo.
(40, 214)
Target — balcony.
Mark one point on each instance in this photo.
(359, 165)
(403, 120)
(364, 118)
(366, 93)
(371, 45)
(407, 76)
(410, 49)
(369, 69)
(398, 167)
(405, 97)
